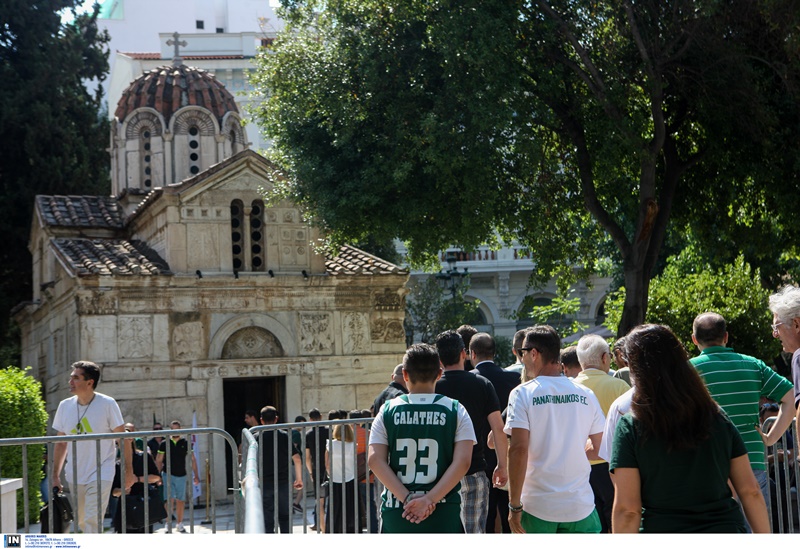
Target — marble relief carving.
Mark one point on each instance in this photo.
(315, 333)
(187, 341)
(355, 333)
(97, 303)
(251, 342)
(135, 337)
(389, 330)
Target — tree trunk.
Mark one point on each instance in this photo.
(637, 287)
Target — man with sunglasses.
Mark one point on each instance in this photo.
(89, 412)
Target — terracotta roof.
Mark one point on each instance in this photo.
(155, 56)
(352, 261)
(106, 257)
(80, 211)
(167, 89)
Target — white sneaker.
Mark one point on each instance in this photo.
(180, 528)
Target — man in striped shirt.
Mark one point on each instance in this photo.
(737, 382)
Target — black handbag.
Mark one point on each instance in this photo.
(62, 514)
(134, 509)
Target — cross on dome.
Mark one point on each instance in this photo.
(177, 60)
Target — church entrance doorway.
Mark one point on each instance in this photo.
(240, 395)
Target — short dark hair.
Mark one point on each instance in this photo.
(569, 357)
(299, 419)
(546, 340)
(519, 339)
(466, 332)
(449, 346)
(709, 328)
(421, 361)
(91, 371)
(251, 413)
(334, 414)
(314, 414)
(269, 414)
(482, 344)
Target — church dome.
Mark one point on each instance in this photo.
(167, 89)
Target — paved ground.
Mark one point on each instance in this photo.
(225, 521)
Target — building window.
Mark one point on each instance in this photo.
(257, 235)
(194, 150)
(237, 234)
(220, 30)
(145, 159)
(199, 24)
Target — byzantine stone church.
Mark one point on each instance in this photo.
(191, 292)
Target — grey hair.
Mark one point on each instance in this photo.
(786, 303)
(590, 350)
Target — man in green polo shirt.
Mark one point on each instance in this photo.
(737, 382)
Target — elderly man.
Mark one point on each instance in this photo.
(737, 382)
(594, 356)
(785, 308)
(396, 387)
(555, 425)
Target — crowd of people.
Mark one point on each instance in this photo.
(558, 442)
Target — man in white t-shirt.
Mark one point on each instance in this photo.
(550, 419)
(89, 412)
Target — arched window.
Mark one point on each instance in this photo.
(145, 158)
(194, 150)
(257, 235)
(237, 234)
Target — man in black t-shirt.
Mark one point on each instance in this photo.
(478, 396)
(276, 446)
(316, 440)
(175, 475)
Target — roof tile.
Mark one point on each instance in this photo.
(107, 257)
(352, 261)
(81, 211)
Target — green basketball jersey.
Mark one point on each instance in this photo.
(421, 440)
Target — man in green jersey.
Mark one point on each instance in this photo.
(420, 447)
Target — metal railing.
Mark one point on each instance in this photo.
(783, 471)
(349, 499)
(73, 440)
(251, 487)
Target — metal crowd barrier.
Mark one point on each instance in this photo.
(347, 498)
(73, 440)
(784, 471)
(251, 487)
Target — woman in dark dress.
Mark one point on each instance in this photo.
(674, 454)
(140, 458)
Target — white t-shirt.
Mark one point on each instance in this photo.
(618, 408)
(560, 415)
(464, 428)
(101, 416)
(334, 448)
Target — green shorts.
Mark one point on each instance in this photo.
(446, 519)
(534, 525)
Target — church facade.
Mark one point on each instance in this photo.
(193, 294)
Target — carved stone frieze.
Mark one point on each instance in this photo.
(355, 333)
(96, 302)
(251, 342)
(387, 300)
(187, 341)
(316, 333)
(388, 330)
(135, 336)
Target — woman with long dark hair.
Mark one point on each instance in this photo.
(674, 454)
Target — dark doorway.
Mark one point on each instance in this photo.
(240, 395)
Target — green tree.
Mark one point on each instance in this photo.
(564, 124)
(688, 287)
(52, 134)
(430, 311)
(24, 415)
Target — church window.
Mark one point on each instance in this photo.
(256, 228)
(237, 222)
(144, 162)
(194, 145)
(233, 142)
(199, 24)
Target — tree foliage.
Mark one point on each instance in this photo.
(564, 124)
(688, 287)
(430, 311)
(52, 134)
(24, 415)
